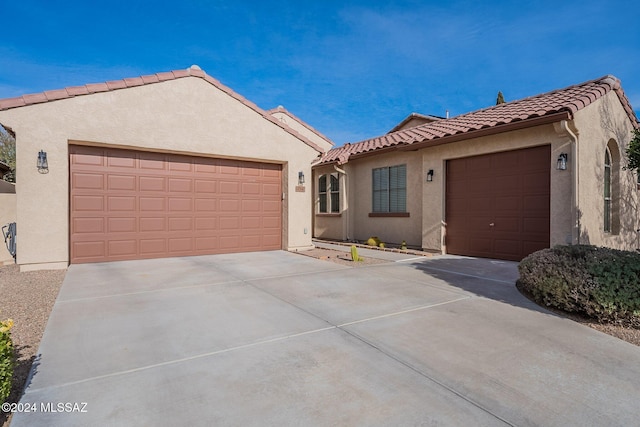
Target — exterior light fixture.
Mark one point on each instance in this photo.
(43, 165)
(562, 162)
(430, 175)
(300, 178)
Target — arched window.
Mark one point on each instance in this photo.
(611, 190)
(607, 191)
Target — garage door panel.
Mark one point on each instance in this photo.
(122, 247)
(180, 204)
(206, 186)
(271, 189)
(180, 244)
(181, 224)
(152, 204)
(121, 182)
(151, 224)
(229, 205)
(121, 203)
(88, 225)
(87, 203)
(153, 246)
(229, 223)
(120, 160)
(129, 205)
(88, 181)
(510, 190)
(152, 183)
(180, 185)
(206, 224)
(90, 251)
(121, 225)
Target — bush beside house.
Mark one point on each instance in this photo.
(7, 359)
(601, 283)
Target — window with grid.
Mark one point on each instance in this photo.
(329, 194)
(335, 194)
(390, 189)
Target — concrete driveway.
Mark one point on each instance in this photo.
(276, 338)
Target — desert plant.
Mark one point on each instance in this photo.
(373, 241)
(601, 283)
(354, 254)
(7, 360)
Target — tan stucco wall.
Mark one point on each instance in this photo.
(598, 124)
(303, 130)
(7, 215)
(356, 223)
(186, 115)
(434, 215)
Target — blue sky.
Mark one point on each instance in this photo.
(351, 69)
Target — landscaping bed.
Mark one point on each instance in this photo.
(27, 298)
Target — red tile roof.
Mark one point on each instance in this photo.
(193, 71)
(545, 108)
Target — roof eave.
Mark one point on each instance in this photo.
(522, 124)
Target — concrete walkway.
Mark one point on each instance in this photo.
(276, 338)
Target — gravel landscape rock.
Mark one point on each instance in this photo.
(27, 298)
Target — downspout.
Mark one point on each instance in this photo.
(575, 211)
(345, 205)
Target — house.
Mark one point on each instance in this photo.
(170, 164)
(500, 182)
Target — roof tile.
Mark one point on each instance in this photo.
(116, 84)
(97, 87)
(570, 99)
(35, 98)
(7, 103)
(77, 90)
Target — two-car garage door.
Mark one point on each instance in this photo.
(132, 205)
(497, 205)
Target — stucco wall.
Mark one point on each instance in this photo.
(598, 124)
(7, 215)
(187, 115)
(302, 129)
(356, 223)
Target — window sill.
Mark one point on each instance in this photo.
(329, 215)
(389, 215)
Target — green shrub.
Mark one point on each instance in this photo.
(6, 359)
(601, 283)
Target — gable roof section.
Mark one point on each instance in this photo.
(412, 116)
(281, 109)
(193, 71)
(536, 110)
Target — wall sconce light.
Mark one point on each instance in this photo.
(562, 162)
(43, 165)
(300, 178)
(430, 175)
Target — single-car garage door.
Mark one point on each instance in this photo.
(132, 205)
(497, 205)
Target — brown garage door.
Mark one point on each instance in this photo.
(498, 204)
(134, 205)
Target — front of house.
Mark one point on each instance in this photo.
(498, 183)
(177, 164)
